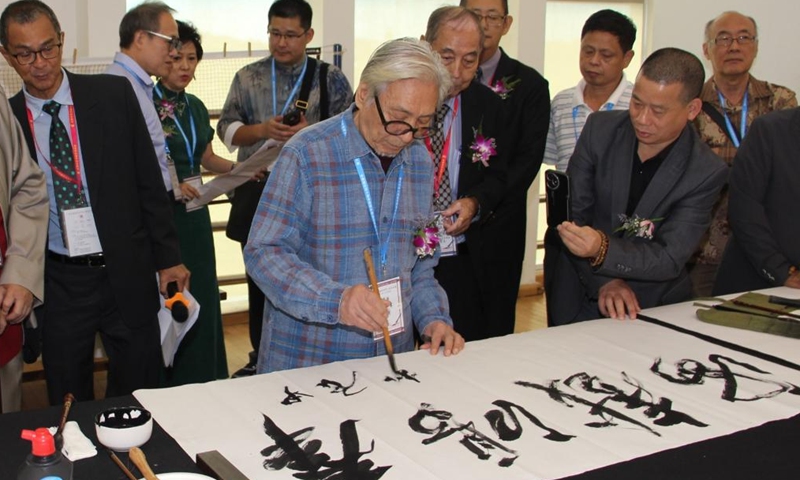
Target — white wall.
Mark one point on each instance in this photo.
(91, 27)
(681, 23)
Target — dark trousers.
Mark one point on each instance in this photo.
(255, 302)
(458, 278)
(81, 303)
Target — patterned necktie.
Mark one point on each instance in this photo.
(445, 195)
(67, 193)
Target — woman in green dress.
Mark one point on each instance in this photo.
(201, 355)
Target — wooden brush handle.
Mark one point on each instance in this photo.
(373, 280)
(137, 457)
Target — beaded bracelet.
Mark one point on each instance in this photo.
(601, 255)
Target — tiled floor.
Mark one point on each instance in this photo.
(531, 315)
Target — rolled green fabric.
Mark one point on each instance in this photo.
(728, 314)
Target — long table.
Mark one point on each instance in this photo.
(600, 399)
(597, 400)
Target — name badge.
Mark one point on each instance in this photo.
(447, 242)
(80, 232)
(390, 290)
(196, 182)
(174, 180)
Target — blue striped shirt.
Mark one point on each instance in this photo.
(308, 236)
(568, 113)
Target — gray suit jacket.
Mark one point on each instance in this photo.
(681, 194)
(765, 190)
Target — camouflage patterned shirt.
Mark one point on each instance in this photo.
(763, 97)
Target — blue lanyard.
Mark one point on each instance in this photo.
(189, 148)
(607, 107)
(294, 89)
(135, 75)
(735, 139)
(384, 245)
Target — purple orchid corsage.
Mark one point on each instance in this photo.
(505, 86)
(482, 148)
(426, 240)
(166, 109)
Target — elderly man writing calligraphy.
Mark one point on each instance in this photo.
(359, 180)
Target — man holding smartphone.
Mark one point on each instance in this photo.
(642, 188)
(262, 105)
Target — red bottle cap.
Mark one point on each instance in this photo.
(42, 443)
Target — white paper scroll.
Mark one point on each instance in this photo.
(422, 430)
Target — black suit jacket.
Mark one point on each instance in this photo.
(681, 195)
(131, 208)
(762, 210)
(482, 108)
(528, 119)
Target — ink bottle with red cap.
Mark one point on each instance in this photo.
(44, 462)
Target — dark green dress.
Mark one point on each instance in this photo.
(201, 355)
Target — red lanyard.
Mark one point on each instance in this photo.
(445, 151)
(73, 131)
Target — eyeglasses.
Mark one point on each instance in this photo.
(29, 57)
(493, 19)
(727, 40)
(289, 37)
(398, 127)
(174, 42)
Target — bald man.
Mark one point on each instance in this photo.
(731, 45)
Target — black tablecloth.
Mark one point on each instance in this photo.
(163, 453)
(769, 451)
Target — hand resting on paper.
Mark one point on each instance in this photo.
(793, 281)
(361, 308)
(439, 334)
(616, 300)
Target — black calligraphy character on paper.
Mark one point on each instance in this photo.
(505, 432)
(401, 375)
(337, 387)
(443, 426)
(693, 372)
(660, 410)
(293, 397)
(296, 452)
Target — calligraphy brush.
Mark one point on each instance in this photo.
(373, 279)
(121, 465)
(776, 311)
(59, 436)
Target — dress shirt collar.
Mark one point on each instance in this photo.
(134, 68)
(577, 98)
(489, 67)
(63, 96)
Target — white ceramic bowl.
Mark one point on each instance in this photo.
(123, 428)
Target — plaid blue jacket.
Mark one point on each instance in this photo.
(307, 241)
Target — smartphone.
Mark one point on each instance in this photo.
(557, 192)
(291, 118)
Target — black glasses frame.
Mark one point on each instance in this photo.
(48, 53)
(399, 127)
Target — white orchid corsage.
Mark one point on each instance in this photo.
(637, 226)
(482, 148)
